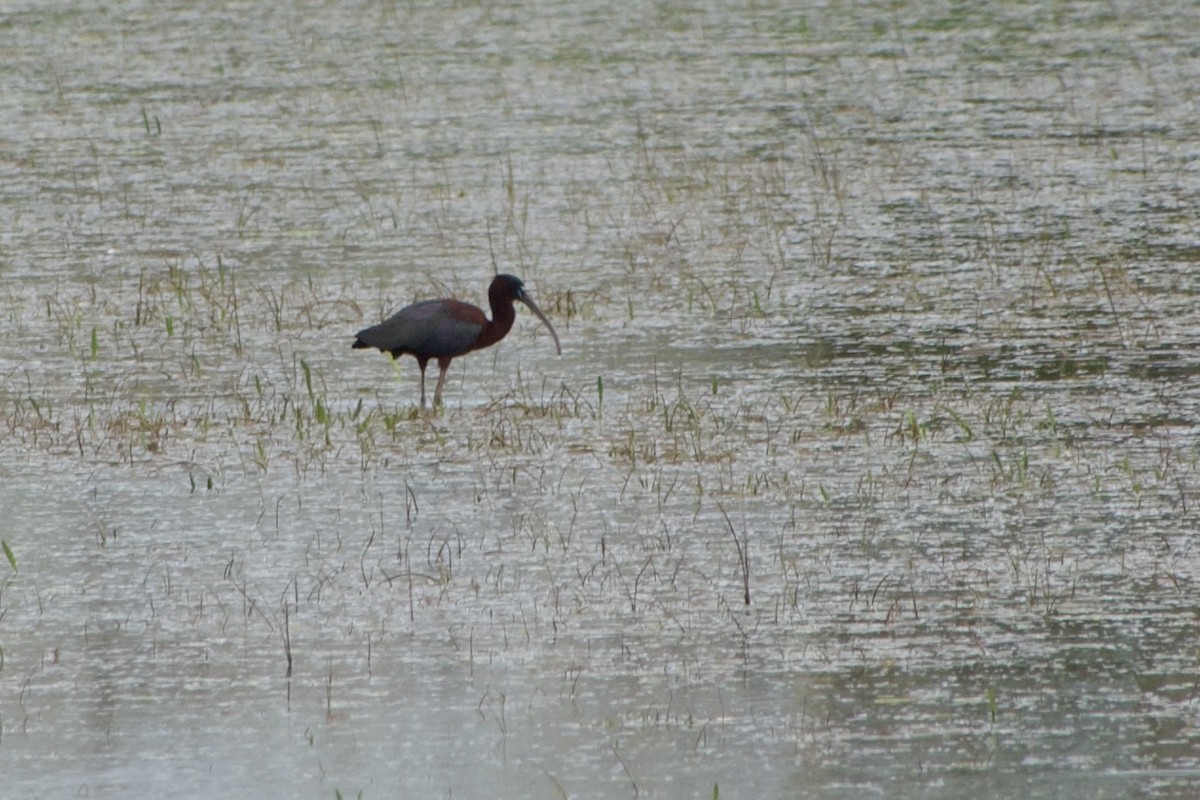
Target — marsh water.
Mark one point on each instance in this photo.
(869, 467)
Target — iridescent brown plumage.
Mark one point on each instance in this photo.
(445, 329)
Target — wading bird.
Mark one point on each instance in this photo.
(445, 329)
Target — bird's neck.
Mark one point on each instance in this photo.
(503, 315)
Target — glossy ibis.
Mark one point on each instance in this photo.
(445, 329)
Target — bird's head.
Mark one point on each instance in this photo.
(512, 288)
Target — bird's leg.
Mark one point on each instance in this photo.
(443, 365)
(421, 362)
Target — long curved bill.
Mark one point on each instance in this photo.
(527, 300)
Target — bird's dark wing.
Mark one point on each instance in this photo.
(429, 329)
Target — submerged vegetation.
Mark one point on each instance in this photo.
(871, 457)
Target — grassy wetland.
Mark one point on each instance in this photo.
(869, 467)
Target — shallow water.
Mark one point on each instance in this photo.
(881, 316)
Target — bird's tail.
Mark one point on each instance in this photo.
(359, 344)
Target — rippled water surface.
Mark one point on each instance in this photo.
(869, 467)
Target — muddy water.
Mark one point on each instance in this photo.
(879, 318)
